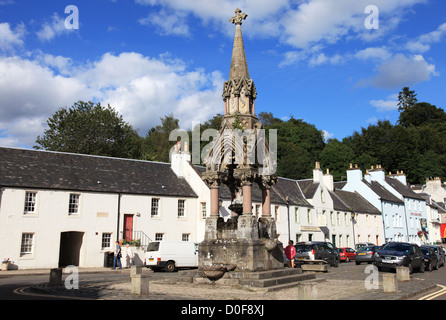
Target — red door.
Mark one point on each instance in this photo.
(128, 227)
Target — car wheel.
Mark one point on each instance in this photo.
(410, 268)
(437, 266)
(347, 259)
(422, 268)
(170, 266)
(429, 267)
(358, 263)
(337, 263)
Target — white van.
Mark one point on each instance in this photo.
(171, 255)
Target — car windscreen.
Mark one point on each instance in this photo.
(153, 246)
(394, 246)
(368, 248)
(303, 248)
(425, 250)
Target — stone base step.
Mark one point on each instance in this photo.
(264, 281)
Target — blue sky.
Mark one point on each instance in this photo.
(316, 60)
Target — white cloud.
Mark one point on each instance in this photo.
(327, 135)
(142, 89)
(400, 71)
(390, 104)
(373, 53)
(168, 23)
(11, 38)
(52, 29)
(423, 43)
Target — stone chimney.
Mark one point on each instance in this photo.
(328, 180)
(354, 173)
(377, 173)
(317, 173)
(179, 158)
(400, 176)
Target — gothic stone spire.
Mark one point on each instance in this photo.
(239, 91)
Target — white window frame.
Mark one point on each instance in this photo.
(27, 244)
(155, 208)
(181, 208)
(159, 236)
(203, 207)
(73, 206)
(185, 237)
(106, 238)
(30, 204)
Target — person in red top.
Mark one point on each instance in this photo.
(290, 252)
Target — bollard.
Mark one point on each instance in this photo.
(134, 270)
(307, 291)
(402, 274)
(390, 284)
(140, 284)
(56, 277)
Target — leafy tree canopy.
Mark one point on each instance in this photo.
(90, 129)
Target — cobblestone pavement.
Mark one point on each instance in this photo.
(343, 283)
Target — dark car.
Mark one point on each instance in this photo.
(366, 254)
(439, 252)
(430, 258)
(396, 254)
(315, 251)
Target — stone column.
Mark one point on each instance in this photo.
(266, 203)
(247, 198)
(214, 201)
(266, 183)
(213, 180)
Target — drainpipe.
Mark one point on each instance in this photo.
(353, 226)
(384, 222)
(405, 219)
(119, 216)
(288, 210)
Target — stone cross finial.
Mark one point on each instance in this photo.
(239, 16)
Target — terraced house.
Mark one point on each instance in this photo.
(59, 209)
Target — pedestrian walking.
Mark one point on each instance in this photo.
(129, 256)
(118, 256)
(290, 253)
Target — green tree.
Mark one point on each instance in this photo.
(420, 114)
(406, 99)
(299, 146)
(90, 129)
(157, 144)
(336, 156)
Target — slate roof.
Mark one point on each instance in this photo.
(383, 193)
(355, 202)
(65, 171)
(289, 189)
(308, 187)
(402, 189)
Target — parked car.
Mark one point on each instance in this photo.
(316, 251)
(366, 254)
(347, 254)
(395, 254)
(439, 252)
(430, 258)
(363, 244)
